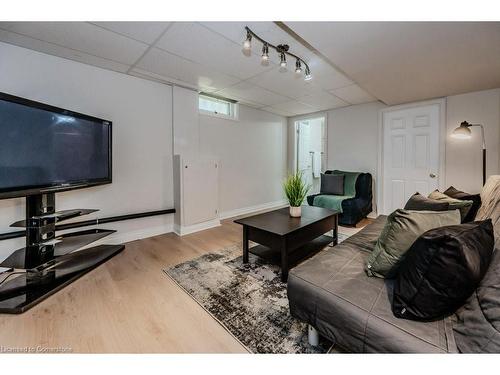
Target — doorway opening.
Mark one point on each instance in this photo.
(311, 150)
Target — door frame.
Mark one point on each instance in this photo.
(295, 138)
(441, 144)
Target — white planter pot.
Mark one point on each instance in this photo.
(295, 211)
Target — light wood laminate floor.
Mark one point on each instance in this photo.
(128, 305)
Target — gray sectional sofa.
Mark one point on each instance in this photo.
(332, 293)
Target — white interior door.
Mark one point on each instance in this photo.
(411, 155)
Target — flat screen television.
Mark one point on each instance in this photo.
(48, 149)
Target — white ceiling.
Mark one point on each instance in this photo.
(351, 62)
(205, 56)
(401, 62)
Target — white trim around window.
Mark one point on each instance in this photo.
(217, 107)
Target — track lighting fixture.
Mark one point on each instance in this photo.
(282, 49)
(298, 67)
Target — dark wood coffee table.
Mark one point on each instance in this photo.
(286, 239)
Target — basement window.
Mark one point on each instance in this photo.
(218, 107)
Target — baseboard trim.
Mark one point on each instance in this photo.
(183, 230)
(248, 210)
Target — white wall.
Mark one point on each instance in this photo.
(142, 137)
(464, 157)
(353, 138)
(252, 153)
(185, 122)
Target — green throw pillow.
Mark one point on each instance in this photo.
(402, 228)
(454, 204)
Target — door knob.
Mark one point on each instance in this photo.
(432, 175)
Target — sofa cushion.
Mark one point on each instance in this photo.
(403, 227)
(332, 292)
(475, 198)
(418, 202)
(441, 270)
(332, 202)
(454, 204)
(332, 184)
(478, 322)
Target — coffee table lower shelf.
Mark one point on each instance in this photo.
(296, 256)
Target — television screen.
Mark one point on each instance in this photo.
(48, 148)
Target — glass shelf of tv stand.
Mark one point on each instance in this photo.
(55, 217)
(69, 243)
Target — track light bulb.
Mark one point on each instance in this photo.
(308, 75)
(247, 44)
(265, 54)
(298, 67)
(283, 60)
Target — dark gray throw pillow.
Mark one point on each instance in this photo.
(418, 202)
(478, 321)
(463, 196)
(454, 204)
(332, 184)
(441, 270)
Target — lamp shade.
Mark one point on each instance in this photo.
(462, 132)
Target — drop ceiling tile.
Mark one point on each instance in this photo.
(81, 36)
(137, 72)
(146, 32)
(286, 83)
(353, 94)
(55, 50)
(323, 101)
(249, 103)
(294, 107)
(326, 75)
(278, 111)
(195, 42)
(253, 93)
(234, 31)
(174, 67)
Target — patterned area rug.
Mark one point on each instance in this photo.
(249, 300)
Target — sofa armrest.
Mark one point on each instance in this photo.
(310, 199)
(364, 186)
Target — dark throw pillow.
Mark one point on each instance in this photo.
(478, 322)
(332, 184)
(475, 198)
(418, 202)
(454, 204)
(441, 270)
(401, 229)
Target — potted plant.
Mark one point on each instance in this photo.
(295, 190)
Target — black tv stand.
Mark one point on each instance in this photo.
(48, 262)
